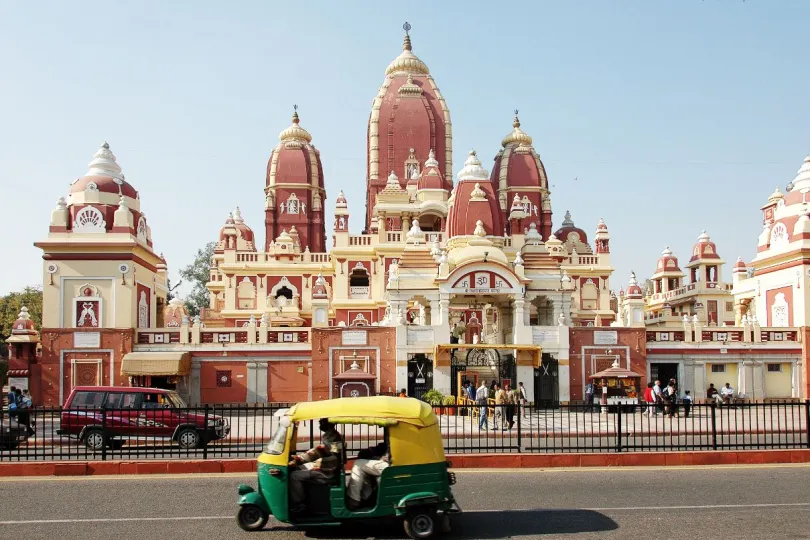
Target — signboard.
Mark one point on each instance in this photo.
(420, 336)
(18, 382)
(605, 338)
(354, 337)
(87, 340)
(544, 335)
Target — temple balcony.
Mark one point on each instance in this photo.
(724, 335)
(227, 337)
(691, 290)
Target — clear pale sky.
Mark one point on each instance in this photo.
(674, 116)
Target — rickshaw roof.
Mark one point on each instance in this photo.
(407, 410)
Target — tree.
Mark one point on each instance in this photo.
(197, 275)
(647, 287)
(171, 288)
(10, 305)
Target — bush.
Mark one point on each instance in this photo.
(433, 397)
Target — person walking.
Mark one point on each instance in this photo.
(589, 393)
(481, 397)
(524, 399)
(649, 399)
(510, 400)
(499, 409)
(686, 400)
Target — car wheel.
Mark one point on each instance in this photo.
(94, 440)
(251, 517)
(421, 524)
(188, 439)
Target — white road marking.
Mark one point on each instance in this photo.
(483, 511)
(114, 520)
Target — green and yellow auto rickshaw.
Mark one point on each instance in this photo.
(415, 487)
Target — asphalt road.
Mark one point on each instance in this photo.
(744, 503)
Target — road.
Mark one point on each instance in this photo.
(745, 503)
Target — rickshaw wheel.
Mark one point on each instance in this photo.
(445, 523)
(251, 517)
(421, 523)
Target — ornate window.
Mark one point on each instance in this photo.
(143, 311)
(142, 229)
(89, 220)
(779, 311)
(527, 205)
(411, 166)
(293, 204)
(92, 186)
(779, 235)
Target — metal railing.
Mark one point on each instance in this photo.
(241, 431)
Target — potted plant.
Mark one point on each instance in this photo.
(434, 398)
(449, 402)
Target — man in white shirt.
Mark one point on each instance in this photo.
(727, 392)
(481, 397)
(659, 397)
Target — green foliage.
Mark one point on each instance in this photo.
(197, 274)
(10, 305)
(433, 397)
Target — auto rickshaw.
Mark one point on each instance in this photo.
(415, 487)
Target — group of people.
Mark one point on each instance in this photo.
(321, 464)
(19, 407)
(507, 401)
(666, 400)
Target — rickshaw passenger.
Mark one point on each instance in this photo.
(317, 466)
(363, 471)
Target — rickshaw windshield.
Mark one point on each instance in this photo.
(276, 445)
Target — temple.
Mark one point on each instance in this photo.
(458, 275)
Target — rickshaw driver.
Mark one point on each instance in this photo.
(317, 466)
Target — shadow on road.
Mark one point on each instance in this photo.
(486, 525)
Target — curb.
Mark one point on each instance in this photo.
(459, 461)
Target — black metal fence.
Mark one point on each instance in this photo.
(241, 431)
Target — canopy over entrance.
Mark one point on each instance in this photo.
(615, 372)
(156, 364)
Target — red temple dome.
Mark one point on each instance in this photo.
(23, 325)
(704, 248)
(104, 175)
(668, 262)
(295, 160)
(633, 289)
(475, 201)
(245, 231)
(431, 177)
(408, 119)
(572, 235)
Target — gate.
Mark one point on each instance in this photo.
(420, 375)
(547, 384)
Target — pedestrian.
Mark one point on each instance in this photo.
(23, 411)
(687, 403)
(649, 399)
(470, 392)
(12, 402)
(659, 397)
(524, 399)
(499, 408)
(589, 392)
(670, 395)
(481, 397)
(403, 393)
(510, 399)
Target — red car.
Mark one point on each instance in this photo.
(125, 412)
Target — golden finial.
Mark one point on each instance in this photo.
(295, 114)
(406, 46)
(516, 122)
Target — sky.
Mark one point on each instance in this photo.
(663, 118)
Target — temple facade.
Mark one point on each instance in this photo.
(458, 275)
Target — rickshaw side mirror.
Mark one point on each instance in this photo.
(449, 464)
